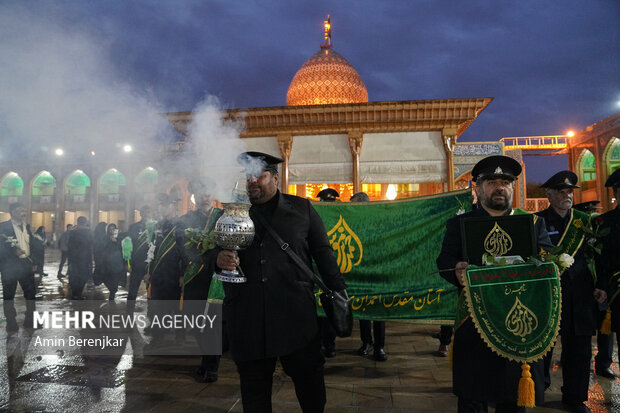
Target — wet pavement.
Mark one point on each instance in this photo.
(412, 380)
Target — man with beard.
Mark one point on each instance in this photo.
(579, 290)
(16, 265)
(141, 236)
(479, 375)
(273, 315)
(196, 290)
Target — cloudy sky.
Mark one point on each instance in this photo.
(550, 66)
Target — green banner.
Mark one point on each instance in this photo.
(386, 251)
(515, 308)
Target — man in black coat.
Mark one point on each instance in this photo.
(580, 293)
(480, 375)
(273, 315)
(140, 239)
(16, 265)
(196, 291)
(80, 257)
(610, 256)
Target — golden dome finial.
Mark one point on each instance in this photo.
(328, 34)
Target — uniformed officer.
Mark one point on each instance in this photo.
(610, 258)
(196, 291)
(479, 375)
(328, 335)
(580, 292)
(273, 315)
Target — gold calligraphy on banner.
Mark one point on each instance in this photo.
(347, 245)
(497, 242)
(521, 321)
(407, 299)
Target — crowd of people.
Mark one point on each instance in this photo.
(272, 316)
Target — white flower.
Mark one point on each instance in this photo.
(566, 261)
(460, 211)
(150, 254)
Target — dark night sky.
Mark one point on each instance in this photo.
(551, 66)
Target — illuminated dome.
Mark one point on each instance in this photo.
(326, 78)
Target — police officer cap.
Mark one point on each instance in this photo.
(497, 166)
(14, 205)
(164, 198)
(360, 197)
(614, 179)
(328, 194)
(251, 159)
(200, 185)
(562, 180)
(589, 206)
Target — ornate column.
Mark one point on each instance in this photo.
(356, 139)
(285, 142)
(449, 142)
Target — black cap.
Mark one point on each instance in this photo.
(164, 198)
(14, 205)
(614, 179)
(328, 194)
(200, 185)
(496, 166)
(360, 197)
(562, 180)
(253, 161)
(588, 207)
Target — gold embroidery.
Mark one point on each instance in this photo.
(520, 320)
(347, 245)
(497, 242)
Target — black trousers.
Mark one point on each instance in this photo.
(63, 259)
(576, 357)
(135, 279)
(305, 367)
(445, 335)
(9, 288)
(377, 332)
(328, 335)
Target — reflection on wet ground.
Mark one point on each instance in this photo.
(411, 380)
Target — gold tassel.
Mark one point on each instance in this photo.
(606, 324)
(148, 291)
(181, 302)
(527, 394)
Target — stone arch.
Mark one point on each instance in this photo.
(611, 155)
(112, 181)
(43, 184)
(586, 166)
(11, 186)
(77, 183)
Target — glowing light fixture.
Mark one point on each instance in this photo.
(570, 133)
(59, 152)
(391, 192)
(127, 148)
(92, 153)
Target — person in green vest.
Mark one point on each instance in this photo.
(582, 291)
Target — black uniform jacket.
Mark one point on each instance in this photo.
(80, 253)
(477, 372)
(579, 308)
(610, 259)
(11, 266)
(138, 254)
(274, 313)
(198, 287)
(167, 267)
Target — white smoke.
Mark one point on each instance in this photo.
(59, 90)
(217, 145)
